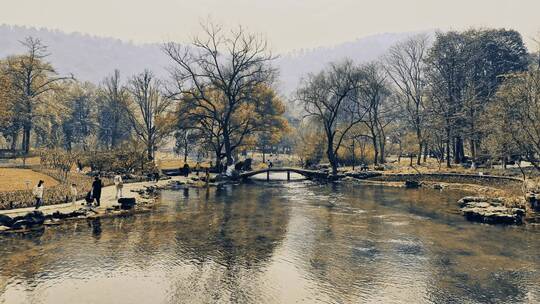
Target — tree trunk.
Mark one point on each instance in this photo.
(185, 153)
(26, 138)
(330, 154)
(419, 155)
(113, 135)
(399, 154)
(382, 143)
(218, 161)
(473, 150)
(228, 149)
(458, 150)
(448, 164)
(14, 140)
(375, 151)
(150, 151)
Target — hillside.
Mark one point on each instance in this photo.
(91, 58)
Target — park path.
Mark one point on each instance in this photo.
(107, 199)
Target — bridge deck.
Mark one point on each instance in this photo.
(304, 172)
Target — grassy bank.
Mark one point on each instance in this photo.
(55, 192)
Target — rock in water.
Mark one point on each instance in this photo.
(490, 211)
(5, 220)
(19, 224)
(35, 218)
(412, 184)
(127, 203)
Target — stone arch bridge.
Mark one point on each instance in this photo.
(309, 174)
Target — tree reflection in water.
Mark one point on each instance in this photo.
(277, 243)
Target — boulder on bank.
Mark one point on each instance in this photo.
(77, 213)
(5, 220)
(30, 220)
(490, 211)
(534, 200)
(127, 203)
(363, 174)
(412, 184)
(35, 218)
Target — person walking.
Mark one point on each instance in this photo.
(73, 190)
(186, 170)
(38, 191)
(96, 190)
(197, 168)
(119, 185)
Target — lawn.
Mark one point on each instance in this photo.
(12, 179)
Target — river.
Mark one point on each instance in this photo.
(278, 242)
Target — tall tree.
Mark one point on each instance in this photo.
(150, 111)
(373, 94)
(405, 64)
(465, 70)
(329, 97)
(271, 123)
(81, 122)
(32, 77)
(231, 66)
(516, 116)
(114, 121)
(9, 122)
(446, 72)
(490, 55)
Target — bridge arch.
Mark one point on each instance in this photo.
(310, 174)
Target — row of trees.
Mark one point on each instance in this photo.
(460, 96)
(59, 111)
(220, 100)
(451, 95)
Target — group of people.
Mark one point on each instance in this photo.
(93, 196)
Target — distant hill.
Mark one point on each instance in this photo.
(297, 64)
(89, 58)
(92, 58)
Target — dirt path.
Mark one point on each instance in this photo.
(107, 199)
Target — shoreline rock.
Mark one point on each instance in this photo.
(490, 211)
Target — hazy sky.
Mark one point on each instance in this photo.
(288, 24)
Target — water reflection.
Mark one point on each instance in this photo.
(271, 242)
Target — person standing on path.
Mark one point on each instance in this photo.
(38, 191)
(197, 168)
(118, 184)
(96, 190)
(73, 190)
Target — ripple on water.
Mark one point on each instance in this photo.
(280, 243)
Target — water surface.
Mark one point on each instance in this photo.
(278, 242)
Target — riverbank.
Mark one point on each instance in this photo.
(109, 207)
(489, 199)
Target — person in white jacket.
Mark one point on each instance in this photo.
(73, 191)
(38, 191)
(118, 184)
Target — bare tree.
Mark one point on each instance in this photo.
(149, 111)
(114, 118)
(405, 64)
(218, 74)
(373, 95)
(329, 97)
